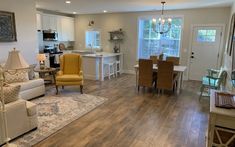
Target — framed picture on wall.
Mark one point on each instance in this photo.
(7, 27)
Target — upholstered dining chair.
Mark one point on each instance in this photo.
(146, 77)
(175, 60)
(213, 80)
(161, 57)
(166, 79)
(70, 71)
(154, 59)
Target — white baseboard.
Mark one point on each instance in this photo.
(90, 77)
(129, 71)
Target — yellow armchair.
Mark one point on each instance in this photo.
(70, 71)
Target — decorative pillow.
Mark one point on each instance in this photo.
(31, 71)
(11, 93)
(16, 76)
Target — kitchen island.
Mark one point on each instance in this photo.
(94, 64)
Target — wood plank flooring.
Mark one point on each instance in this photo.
(132, 119)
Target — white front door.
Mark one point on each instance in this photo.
(205, 50)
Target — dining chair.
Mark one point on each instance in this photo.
(154, 59)
(146, 77)
(175, 60)
(213, 80)
(166, 79)
(161, 57)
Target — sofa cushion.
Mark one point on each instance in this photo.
(69, 78)
(31, 108)
(30, 84)
(16, 76)
(11, 93)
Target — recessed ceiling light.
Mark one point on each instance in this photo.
(105, 11)
(67, 2)
(74, 12)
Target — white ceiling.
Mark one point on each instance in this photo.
(97, 6)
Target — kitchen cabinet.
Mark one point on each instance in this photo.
(65, 28)
(39, 21)
(49, 22)
(62, 24)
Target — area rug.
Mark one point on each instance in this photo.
(55, 112)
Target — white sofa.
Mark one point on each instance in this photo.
(21, 118)
(31, 89)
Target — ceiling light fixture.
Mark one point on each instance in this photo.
(74, 12)
(163, 25)
(105, 11)
(68, 2)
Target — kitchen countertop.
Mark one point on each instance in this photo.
(88, 53)
(102, 55)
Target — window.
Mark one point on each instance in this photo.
(206, 36)
(93, 39)
(152, 43)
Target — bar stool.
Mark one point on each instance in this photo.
(111, 69)
(118, 68)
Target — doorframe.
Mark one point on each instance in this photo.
(219, 63)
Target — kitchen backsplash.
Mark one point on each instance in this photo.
(69, 45)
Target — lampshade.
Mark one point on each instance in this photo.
(15, 61)
(41, 57)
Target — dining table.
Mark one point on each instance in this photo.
(177, 69)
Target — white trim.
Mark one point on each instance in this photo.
(219, 61)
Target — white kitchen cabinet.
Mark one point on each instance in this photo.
(39, 21)
(49, 22)
(66, 30)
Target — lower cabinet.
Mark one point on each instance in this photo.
(223, 137)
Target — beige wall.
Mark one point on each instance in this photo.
(128, 22)
(227, 62)
(25, 16)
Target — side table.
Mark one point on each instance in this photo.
(43, 72)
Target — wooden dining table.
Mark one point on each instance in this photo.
(177, 68)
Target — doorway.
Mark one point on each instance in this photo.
(205, 50)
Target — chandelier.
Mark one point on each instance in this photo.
(164, 24)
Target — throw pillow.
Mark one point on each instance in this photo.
(11, 93)
(16, 76)
(31, 71)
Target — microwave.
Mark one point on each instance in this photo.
(49, 35)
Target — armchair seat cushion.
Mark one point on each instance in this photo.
(213, 82)
(69, 78)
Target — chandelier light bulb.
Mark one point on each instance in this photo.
(154, 20)
(164, 23)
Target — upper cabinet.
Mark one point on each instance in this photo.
(66, 28)
(39, 21)
(49, 22)
(62, 24)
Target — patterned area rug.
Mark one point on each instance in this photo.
(55, 112)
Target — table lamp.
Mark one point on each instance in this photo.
(41, 58)
(15, 62)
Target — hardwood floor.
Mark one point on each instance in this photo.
(132, 119)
